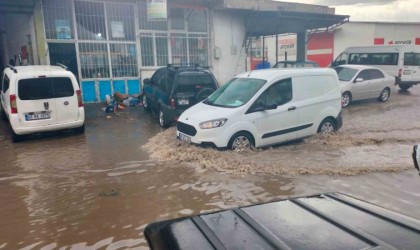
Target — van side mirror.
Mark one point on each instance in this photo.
(146, 81)
(416, 157)
(358, 80)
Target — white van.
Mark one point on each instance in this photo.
(265, 107)
(41, 98)
(400, 61)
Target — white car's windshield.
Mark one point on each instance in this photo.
(235, 93)
(345, 74)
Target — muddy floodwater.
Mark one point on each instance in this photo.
(101, 189)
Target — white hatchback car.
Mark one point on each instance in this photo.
(41, 98)
(364, 82)
(265, 107)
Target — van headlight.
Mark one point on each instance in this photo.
(213, 123)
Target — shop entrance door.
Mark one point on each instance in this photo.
(64, 53)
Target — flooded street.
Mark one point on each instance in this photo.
(101, 189)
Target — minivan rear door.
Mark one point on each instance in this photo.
(66, 102)
(35, 102)
(191, 88)
(411, 69)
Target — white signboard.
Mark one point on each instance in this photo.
(157, 10)
(117, 29)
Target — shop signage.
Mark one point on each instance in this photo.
(157, 10)
(62, 28)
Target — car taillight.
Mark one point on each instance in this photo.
(173, 103)
(79, 98)
(13, 104)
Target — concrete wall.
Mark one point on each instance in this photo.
(227, 35)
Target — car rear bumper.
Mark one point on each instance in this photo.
(19, 130)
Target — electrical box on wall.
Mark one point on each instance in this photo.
(217, 53)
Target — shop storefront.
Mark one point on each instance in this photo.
(110, 45)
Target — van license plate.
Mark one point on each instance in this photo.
(183, 101)
(37, 116)
(184, 138)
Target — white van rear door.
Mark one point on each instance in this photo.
(66, 100)
(411, 68)
(35, 102)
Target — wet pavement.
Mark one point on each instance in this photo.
(100, 190)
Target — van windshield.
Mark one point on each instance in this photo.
(235, 93)
(345, 74)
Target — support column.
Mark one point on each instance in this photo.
(301, 46)
(39, 33)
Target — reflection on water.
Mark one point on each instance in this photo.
(101, 189)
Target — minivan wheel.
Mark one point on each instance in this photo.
(384, 95)
(162, 120)
(16, 137)
(345, 99)
(80, 130)
(327, 126)
(241, 141)
(3, 115)
(145, 103)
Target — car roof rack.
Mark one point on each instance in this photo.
(12, 68)
(63, 66)
(187, 66)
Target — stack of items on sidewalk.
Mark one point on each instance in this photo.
(119, 102)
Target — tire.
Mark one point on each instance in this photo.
(163, 122)
(80, 130)
(241, 141)
(327, 126)
(345, 99)
(383, 97)
(16, 138)
(404, 86)
(203, 94)
(145, 103)
(3, 115)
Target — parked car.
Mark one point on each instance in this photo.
(296, 64)
(265, 107)
(363, 82)
(173, 89)
(41, 98)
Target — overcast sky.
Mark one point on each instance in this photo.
(373, 10)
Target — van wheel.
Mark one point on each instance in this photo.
(3, 115)
(404, 86)
(80, 130)
(163, 122)
(384, 95)
(145, 103)
(345, 99)
(17, 138)
(241, 141)
(327, 126)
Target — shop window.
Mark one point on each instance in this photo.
(147, 50)
(149, 24)
(177, 19)
(58, 19)
(90, 19)
(197, 46)
(123, 60)
(197, 20)
(162, 56)
(94, 60)
(120, 22)
(179, 48)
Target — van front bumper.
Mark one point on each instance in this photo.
(215, 137)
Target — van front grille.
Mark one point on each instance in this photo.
(186, 129)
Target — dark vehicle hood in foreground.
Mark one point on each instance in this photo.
(326, 221)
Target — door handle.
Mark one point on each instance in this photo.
(292, 108)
